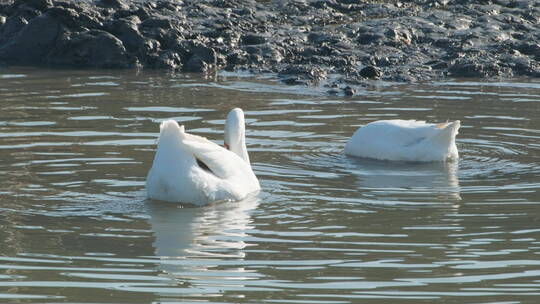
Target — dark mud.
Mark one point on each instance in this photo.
(301, 41)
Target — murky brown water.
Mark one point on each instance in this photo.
(75, 226)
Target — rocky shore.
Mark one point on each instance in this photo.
(300, 41)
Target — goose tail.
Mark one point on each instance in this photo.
(447, 133)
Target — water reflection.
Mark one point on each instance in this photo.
(432, 178)
(215, 231)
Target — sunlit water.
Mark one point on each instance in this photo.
(75, 224)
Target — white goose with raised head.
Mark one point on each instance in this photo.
(405, 140)
(191, 169)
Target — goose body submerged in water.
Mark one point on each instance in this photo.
(191, 169)
(405, 140)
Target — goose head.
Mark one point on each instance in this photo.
(235, 130)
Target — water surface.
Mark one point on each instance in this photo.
(75, 225)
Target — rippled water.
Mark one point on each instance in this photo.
(75, 226)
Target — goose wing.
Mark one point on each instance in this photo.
(220, 161)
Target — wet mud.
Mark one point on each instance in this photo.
(302, 42)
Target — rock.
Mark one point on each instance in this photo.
(162, 23)
(32, 42)
(251, 39)
(467, 67)
(143, 13)
(36, 4)
(321, 37)
(12, 26)
(332, 92)
(399, 36)
(196, 64)
(237, 57)
(202, 59)
(148, 46)
(73, 19)
(370, 72)
(520, 65)
(254, 50)
(530, 48)
(437, 64)
(92, 48)
(167, 60)
(117, 4)
(272, 54)
(170, 39)
(67, 16)
(349, 91)
(126, 29)
(293, 81)
(308, 72)
(369, 38)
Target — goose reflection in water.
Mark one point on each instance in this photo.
(195, 239)
(424, 181)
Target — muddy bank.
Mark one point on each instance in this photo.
(301, 41)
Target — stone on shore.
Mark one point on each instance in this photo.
(93, 48)
(303, 42)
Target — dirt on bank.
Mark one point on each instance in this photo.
(301, 41)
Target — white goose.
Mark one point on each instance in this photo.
(191, 169)
(405, 140)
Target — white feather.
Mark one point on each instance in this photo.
(405, 140)
(191, 169)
